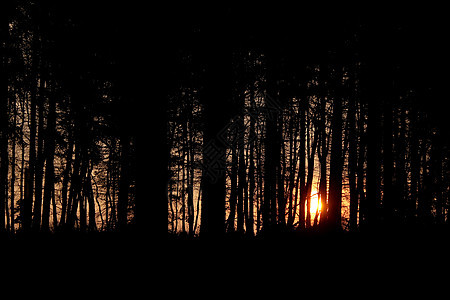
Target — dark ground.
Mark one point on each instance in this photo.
(101, 264)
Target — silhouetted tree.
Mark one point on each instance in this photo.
(336, 162)
(216, 98)
(4, 134)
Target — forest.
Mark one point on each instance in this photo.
(236, 121)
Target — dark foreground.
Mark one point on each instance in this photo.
(103, 244)
(109, 262)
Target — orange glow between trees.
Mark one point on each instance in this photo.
(316, 206)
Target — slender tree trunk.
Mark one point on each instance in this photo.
(172, 212)
(233, 190)
(65, 183)
(281, 182)
(296, 198)
(310, 176)
(251, 170)
(49, 158)
(178, 196)
(122, 203)
(272, 142)
(336, 162)
(82, 195)
(13, 165)
(324, 141)
(292, 170)
(242, 174)
(4, 166)
(323, 194)
(269, 174)
(352, 163)
(83, 212)
(27, 194)
(260, 194)
(302, 161)
(92, 226)
(54, 210)
(39, 167)
(197, 213)
(75, 181)
(190, 164)
(22, 162)
(29, 184)
(184, 168)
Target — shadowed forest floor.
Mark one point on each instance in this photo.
(306, 256)
(433, 234)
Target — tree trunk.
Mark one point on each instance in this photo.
(292, 169)
(251, 169)
(269, 174)
(184, 170)
(13, 166)
(39, 167)
(151, 202)
(281, 174)
(82, 195)
(54, 211)
(29, 180)
(65, 183)
(4, 166)
(75, 182)
(49, 158)
(242, 181)
(233, 190)
(190, 164)
(352, 162)
(260, 193)
(336, 165)
(302, 162)
(27, 195)
(310, 177)
(122, 203)
(92, 226)
(22, 160)
(216, 99)
(323, 186)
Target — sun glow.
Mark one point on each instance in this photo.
(315, 205)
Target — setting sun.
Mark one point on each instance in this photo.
(316, 205)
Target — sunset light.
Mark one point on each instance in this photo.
(244, 122)
(315, 204)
